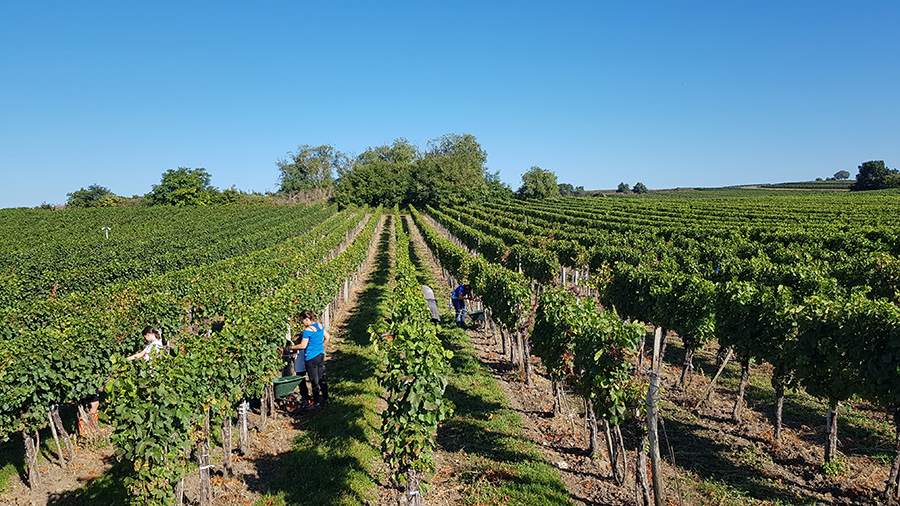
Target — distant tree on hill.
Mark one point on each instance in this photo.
(182, 187)
(892, 180)
(452, 171)
(538, 183)
(841, 175)
(639, 188)
(93, 196)
(379, 175)
(567, 190)
(874, 175)
(623, 187)
(310, 167)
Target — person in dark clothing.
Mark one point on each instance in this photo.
(295, 364)
(313, 342)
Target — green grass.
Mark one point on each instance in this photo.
(6, 472)
(333, 461)
(498, 463)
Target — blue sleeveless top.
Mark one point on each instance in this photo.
(316, 344)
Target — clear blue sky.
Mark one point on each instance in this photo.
(667, 93)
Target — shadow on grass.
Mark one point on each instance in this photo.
(501, 461)
(331, 462)
(12, 461)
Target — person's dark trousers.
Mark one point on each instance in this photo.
(304, 392)
(315, 370)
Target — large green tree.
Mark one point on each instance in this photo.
(875, 175)
(378, 176)
(183, 186)
(538, 183)
(310, 167)
(452, 171)
(92, 196)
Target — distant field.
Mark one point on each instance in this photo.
(812, 185)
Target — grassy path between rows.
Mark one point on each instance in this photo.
(485, 457)
(336, 460)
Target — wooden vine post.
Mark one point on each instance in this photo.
(264, 410)
(659, 494)
(226, 446)
(736, 414)
(708, 391)
(90, 426)
(59, 452)
(831, 443)
(526, 353)
(243, 436)
(31, 457)
(590, 418)
(779, 406)
(203, 462)
(67, 440)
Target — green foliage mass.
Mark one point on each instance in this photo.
(182, 187)
(591, 349)
(538, 183)
(451, 171)
(875, 175)
(92, 196)
(380, 174)
(310, 167)
(416, 373)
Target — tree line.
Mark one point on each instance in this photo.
(450, 170)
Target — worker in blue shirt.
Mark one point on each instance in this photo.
(458, 299)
